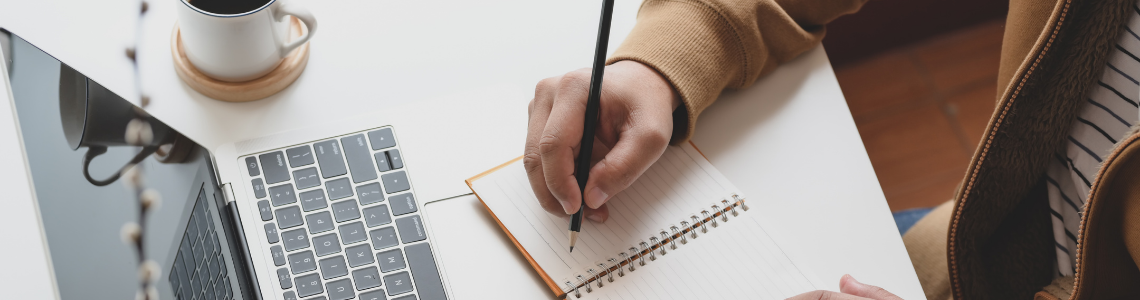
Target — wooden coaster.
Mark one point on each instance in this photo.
(276, 80)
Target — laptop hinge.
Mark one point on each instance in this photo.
(251, 290)
(228, 192)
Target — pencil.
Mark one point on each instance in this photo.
(582, 165)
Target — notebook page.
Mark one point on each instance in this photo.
(737, 260)
(682, 183)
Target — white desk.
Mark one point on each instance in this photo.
(789, 142)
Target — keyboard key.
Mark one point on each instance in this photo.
(212, 243)
(328, 155)
(195, 285)
(403, 204)
(396, 182)
(359, 255)
(333, 267)
(345, 211)
(374, 295)
(352, 232)
(406, 297)
(366, 278)
(422, 264)
(370, 193)
(192, 229)
(178, 275)
(289, 295)
(384, 238)
(306, 178)
(411, 229)
(377, 215)
(394, 159)
(326, 244)
(251, 166)
(199, 254)
(339, 188)
(204, 224)
(284, 278)
(215, 266)
(220, 289)
(274, 165)
(320, 222)
(186, 252)
(390, 260)
(302, 262)
(271, 233)
(282, 194)
(382, 162)
(222, 264)
(341, 290)
(265, 210)
(381, 138)
(289, 217)
(278, 255)
(309, 285)
(359, 162)
(398, 283)
(258, 188)
(295, 239)
(300, 156)
(313, 200)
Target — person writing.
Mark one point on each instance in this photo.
(1048, 206)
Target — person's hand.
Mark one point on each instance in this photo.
(634, 127)
(849, 289)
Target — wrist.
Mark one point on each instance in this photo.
(653, 81)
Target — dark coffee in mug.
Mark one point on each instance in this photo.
(228, 7)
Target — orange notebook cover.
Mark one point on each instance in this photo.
(550, 282)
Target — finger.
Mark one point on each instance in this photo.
(539, 111)
(638, 148)
(848, 285)
(599, 215)
(825, 295)
(561, 137)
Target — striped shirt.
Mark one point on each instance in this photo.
(1108, 112)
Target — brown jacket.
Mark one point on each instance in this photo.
(994, 241)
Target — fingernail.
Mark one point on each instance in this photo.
(848, 282)
(566, 207)
(596, 218)
(596, 197)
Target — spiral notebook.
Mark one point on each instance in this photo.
(681, 231)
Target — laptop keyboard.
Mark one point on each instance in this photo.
(343, 222)
(199, 271)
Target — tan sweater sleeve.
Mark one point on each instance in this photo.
(705, 46)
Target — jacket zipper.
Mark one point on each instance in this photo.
(955, 282)
(1096, 188)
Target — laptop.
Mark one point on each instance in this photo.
(330, 213)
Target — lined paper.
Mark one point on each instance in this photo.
(681, 184)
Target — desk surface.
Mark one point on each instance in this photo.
(789, 141)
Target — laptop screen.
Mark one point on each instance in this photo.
(74, 135)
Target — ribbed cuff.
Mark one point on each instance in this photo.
(690, 45)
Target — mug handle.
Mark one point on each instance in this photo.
(93, 151)
(306, 17)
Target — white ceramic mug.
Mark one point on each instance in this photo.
(244, 46)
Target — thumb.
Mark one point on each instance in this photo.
(848, 285)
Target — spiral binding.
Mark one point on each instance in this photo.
(655, 244)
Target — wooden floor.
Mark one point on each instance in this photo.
(921, 111)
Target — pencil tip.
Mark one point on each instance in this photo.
(571, 249)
